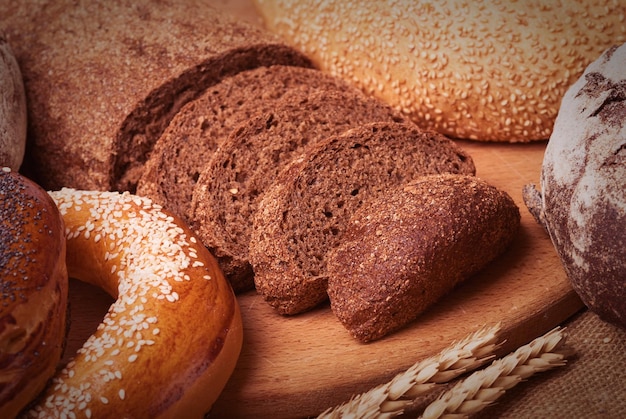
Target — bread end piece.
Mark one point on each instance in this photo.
(403, 252)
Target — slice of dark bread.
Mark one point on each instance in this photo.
(305, 211)
(405, 250)
(196, 131)
(243, 166)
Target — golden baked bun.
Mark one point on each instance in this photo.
(484, 70)
(33, 302)
(171, 339)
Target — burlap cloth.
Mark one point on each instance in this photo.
(591, 385)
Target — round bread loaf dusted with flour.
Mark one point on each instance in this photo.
(103, 79)
(226, 195)
(170, 341)
(405, 250)
(303, 214)
(34, 283)
(582, 202)
(12, 109)
(485, 70)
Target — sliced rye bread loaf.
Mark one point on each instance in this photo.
(305, 211)
(194, 134)
(405, 250)
(103, 79)
(227, 192)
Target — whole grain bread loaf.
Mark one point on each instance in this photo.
(304, 213)
(405, 250)
(244, 165)
(103, 79)
(194, 134)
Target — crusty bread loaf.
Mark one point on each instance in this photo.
(227, 192)
(305, 211)
(483, 70)
(405, 250)
(103, 79)
(582, 203)
(12, 109)
(203, 124)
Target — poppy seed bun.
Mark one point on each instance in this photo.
(489, 70)
(34, 283)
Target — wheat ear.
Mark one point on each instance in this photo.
(485, 386)
(390, 399)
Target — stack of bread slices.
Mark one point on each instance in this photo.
(258, 123)
(269, 166)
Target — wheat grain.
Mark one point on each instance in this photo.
(485, 386)
(391, 399)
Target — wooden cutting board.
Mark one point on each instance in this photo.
(299, 366)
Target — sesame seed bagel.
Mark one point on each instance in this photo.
(33, 280)
(170, 341)
(485, 70)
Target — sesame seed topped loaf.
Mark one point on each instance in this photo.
(242, 168)
(305, 211)
(405, 250)
(192, 136)
(103, 79)
(481, 70)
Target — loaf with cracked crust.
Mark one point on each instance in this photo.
(582, 199)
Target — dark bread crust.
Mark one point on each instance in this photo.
(404, 251)
(226, 195)
(304, 213)
(103, 79)
(12, 109)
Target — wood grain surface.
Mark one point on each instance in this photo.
(299, 366)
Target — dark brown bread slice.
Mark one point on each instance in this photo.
(192, 136)
(304, 213)
(404, 251)
(103, 78)
(226, 195)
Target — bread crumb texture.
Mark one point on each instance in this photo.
(490, 71)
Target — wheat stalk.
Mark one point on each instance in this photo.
(485, 386)
(391, 399)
